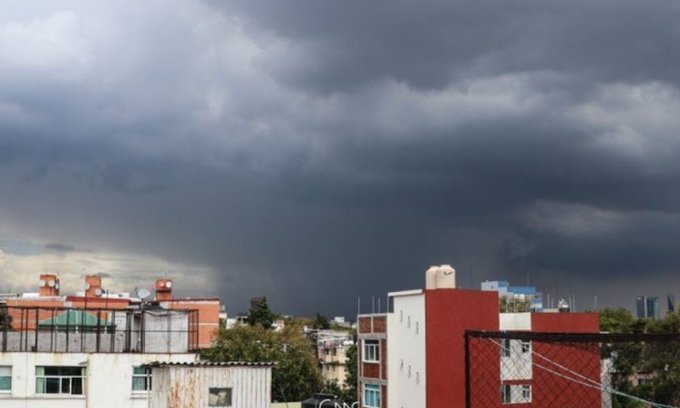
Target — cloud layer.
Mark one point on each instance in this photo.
(315, 152)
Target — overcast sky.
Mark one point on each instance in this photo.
(318, 151)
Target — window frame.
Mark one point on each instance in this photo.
(146, 376)
(374, 389)
(506, 348)
(525, 346)
(506, 394)
(41, 387)
(526, 392)
(523, 392)
(216, 390)
(8, 390)
(371, 351)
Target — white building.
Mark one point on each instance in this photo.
(332, 348)
(78, 380)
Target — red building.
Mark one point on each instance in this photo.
(415, 355)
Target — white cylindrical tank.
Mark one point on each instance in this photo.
(440, 277)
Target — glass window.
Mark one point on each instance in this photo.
(60, 380)
(516, 394)
(526, 346)
(371, 396)
(141, 379)
(219, 397)
(371, 351)
(526, 393)
(506, 397)
(5, 379)
(505, 348)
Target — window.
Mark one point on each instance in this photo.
(516, 394)
(372, 351)
(505, 348)
(526, 347)
(506, 395)
(141, 379)
(371, 396)
(5, 379)
(219, 397)
(60, 380)
(526, 393)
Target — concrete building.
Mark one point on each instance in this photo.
(647, 307)
(79, 380)
(90, 349)
(203, 384)
(95, 296)
(332, 347)
(516, 296)
(414, 355)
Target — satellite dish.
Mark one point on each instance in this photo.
(168, 284)
(98, 292)
(42, 283)
(56, 286)
(143, 293)
(50, 283)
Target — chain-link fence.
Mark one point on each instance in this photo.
(572, 370)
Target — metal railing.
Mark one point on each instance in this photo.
(98, 330)
(572, 370)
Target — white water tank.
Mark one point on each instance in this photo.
(440, 277)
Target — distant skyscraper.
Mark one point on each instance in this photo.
(671, 303)
(648, 307)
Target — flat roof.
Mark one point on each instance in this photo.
(406, 293)
(212, 364)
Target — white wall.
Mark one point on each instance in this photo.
(109, 379)
(406, 348)
(515, 321)
(518, 366)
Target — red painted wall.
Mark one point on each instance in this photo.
(552, 390)
(448, 313)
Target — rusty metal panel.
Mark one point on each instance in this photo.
(177, 386)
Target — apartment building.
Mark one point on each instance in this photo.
(414, 356)
(332, 347)
(91, 349)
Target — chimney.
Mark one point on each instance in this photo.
(48, 285)
(440, 277)
(93, 286)
(163, 290)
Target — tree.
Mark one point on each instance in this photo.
(511, 304)
(616, 321)
(296, 373)
(352, 377)
(260, 314)
(5, 319)
(321, 322)
(657, 360)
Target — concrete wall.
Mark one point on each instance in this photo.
(108, 379)
(406, 352)
(188, 386)
(449, 313)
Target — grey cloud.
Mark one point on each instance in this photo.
(332, 47)
(318, 152)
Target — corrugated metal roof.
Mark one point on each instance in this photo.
(212, 364)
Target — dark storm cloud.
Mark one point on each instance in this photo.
(315, 152)
(331, 46)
